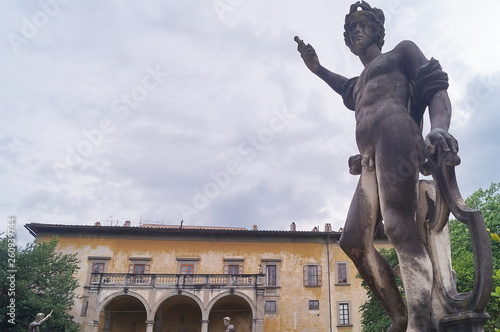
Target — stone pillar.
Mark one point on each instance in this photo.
(204, 325)
(258, 320)
(149, 325)
(91, 323)
(258, 325)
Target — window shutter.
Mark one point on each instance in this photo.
(319, 275)
(306, 275)
(240, 269)
(226, 269)
(146, 269)
(131, 268)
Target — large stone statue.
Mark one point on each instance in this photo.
(40, 318)
(389, 99)
(228, 325)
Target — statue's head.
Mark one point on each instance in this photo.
(374, 17)
(227, 321)
(39, 317)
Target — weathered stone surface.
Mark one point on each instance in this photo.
(389, 99)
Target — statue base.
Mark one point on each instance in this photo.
(470, 321)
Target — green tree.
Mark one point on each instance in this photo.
(44, 281)
(373, 315)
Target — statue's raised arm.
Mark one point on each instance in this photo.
(308, 54)
(40, 318)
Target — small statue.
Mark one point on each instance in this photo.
(228, 325)
(39, 319)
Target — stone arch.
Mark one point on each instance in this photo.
(249, 300)
(180, 311)
(237, 305)
(110, 297)
(120, 310)
(165, 297)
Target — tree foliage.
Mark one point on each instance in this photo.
(44, 281)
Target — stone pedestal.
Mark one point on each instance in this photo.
(470, 321)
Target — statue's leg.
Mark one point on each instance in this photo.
(357, 243)
(397, 167)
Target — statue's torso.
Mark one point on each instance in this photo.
(381, 97)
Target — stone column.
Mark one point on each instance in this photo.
(91, 323)
(204, 325)
(258, 320)
(258, 325)
(149, 325)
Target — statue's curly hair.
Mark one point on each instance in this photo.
(376, 20)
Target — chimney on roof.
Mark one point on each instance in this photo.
(328, 227)
(97, 223)
(293, 228)
(315, 229)
(127, 223)
(254, 228)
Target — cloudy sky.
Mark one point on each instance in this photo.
(203, 111)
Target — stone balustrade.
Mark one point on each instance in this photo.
(176, 280)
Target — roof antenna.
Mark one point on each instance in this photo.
(181, 223)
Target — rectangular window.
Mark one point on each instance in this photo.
(270, 306)
(138, 269)
(187, 265)
(344, 318)
(97, 267)
(233, 269)
(187, 268)
(342, 273)
(313, 304)
(312, 275)
(271, 275)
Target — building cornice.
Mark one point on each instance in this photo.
(179, 234)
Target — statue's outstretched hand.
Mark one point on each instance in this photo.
(440, 138)
(308, 54)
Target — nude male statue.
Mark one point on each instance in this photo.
(39, 320)
(228, 325)
(391, 147)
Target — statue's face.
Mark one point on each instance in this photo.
(226, 322)
(360, 32)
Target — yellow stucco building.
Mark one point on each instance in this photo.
(157, 278)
